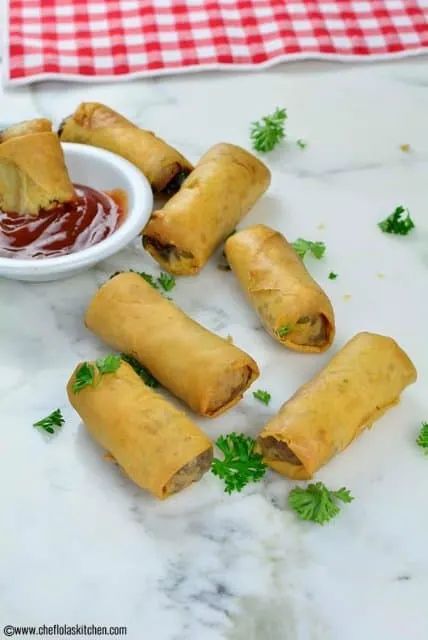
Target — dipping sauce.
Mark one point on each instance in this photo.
(66, 228)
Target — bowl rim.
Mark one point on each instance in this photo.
(133, 223)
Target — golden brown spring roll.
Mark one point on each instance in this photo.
(205, 371)
(156, 445)
(98, 125)
(362, 381)
(291, 305)
(33, 175)
(38, 125)
(220, 191)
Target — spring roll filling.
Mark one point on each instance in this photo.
(274, 449)
(311, 330)
(168, 251)
(175, 183)
(191, 472)
(232, 385)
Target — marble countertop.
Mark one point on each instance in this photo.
(79, 543)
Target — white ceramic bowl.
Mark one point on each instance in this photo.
(100, 170)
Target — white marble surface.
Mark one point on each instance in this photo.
(81, 544)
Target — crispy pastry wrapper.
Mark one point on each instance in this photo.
(33, 175)
(291, 305)
(359, 384)
(38, 125)
(207, 372)
(98, 125)
(156, 445)
(219, 192)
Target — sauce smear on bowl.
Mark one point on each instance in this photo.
(64, 229)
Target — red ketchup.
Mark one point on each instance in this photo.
(66, 228)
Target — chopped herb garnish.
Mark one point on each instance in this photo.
(397, 222)
(240, 465)
(51, 423)
(302, 143)
(284, 330)
(145, 375)
(332, 275)
(317, 503)
(147, 277)
(263, 396)
(109, 364)
(85, 376)
(301, 247)
(166, 281)
(422, 439)
(405, 148)
(269, 131)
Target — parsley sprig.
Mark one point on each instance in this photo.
(263, 396)
(144, 374)
(284, 330)
(269, 131)
(85, 374)
(422, 439)
(51, 423)
(109, 364)
(165, 281)
(398, 223)
(332, 275)
(240, 465)
(302, 247)
(316, 503)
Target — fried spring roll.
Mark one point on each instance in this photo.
(96, 124)
(33, 175)
(38, 125)
(359, 384)
(220, 191)
(205, 371)
(291, 305)
(156, 445)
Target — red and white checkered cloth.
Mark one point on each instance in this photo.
(116, 39)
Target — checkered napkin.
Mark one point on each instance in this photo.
(117, 39)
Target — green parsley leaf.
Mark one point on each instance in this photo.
(284, 330)
(240, 465)
(301, 247)
(302, 143)
(269, 131)
(109, 364)
(317, 503)
(263, 396)
(145, 375)
(147, 277)
(422, 439)
(332, 275)
(85, 376)
(166, 281)
(397, 222)
(52, 422)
